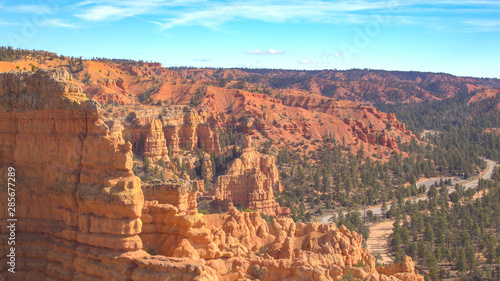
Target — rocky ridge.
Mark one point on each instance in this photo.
(221, 105)
(178, 128)
(78, 204)
(82, 214)
(303, 119)
(250, 182)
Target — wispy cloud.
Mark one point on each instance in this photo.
(59, 23)
(335, 55)
(483, 22)
(306, 61)
(202, 60)
(169, 14)
(482, 25)
(265, 53)
(27, 9)
(4, 23)
(106, 12)
(100, 10)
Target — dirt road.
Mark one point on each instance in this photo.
(378, 241)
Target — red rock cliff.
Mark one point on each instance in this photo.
(250, 182)
(179, 128)
(82, 215)
(78, 204)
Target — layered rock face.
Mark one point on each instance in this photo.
(78, 204)
(155, 145)
(303, 119)
(405, 270)
(147, 138)
(82, 214)
(177, 192)
(192, 133)
(250, 182)
(283, 250)
(239, 245)
(179, 128)
(364, 122)
(172, 224)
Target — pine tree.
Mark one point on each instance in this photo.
(461, 263)
(147, 163)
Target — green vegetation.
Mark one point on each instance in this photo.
(197, 97)
(256, 272)
(462, 236)
(460, 126)
(10, 54)
(329, 90)
(146, 95)
(333, 177)
(278, 82)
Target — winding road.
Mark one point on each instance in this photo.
(467, 183)
(380, 232)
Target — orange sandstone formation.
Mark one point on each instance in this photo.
(404, 270)
(82, 214)
(192, 133)
(178, 128)
(172, 225)
(155, 144)
(78, 204)
(284, 250)
(250, 182)
(299, 120)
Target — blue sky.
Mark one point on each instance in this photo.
(460, 37)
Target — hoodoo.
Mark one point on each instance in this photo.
(83, 215)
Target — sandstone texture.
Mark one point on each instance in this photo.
(155, 144)
(250, 182)
(290, 116)
(178, 128)
(78, 204)
(300, 119)
(191, 132)
(83, 215)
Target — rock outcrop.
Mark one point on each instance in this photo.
(191, 134)
(178, 192)
(172, 224)
(364, 122)
(82, 214)
(78, 204)
(250, 182)
(283, 250)
(178, 128)
(404, 270)
(155, 145)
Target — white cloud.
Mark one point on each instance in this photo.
(101, 10)
(306, 61)
(336, 55)
(105, 12)
(27, 9)
(483, 23)
(3, 23)
(264, 53)
(212, 14)
(215, 13)
(59, 23)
